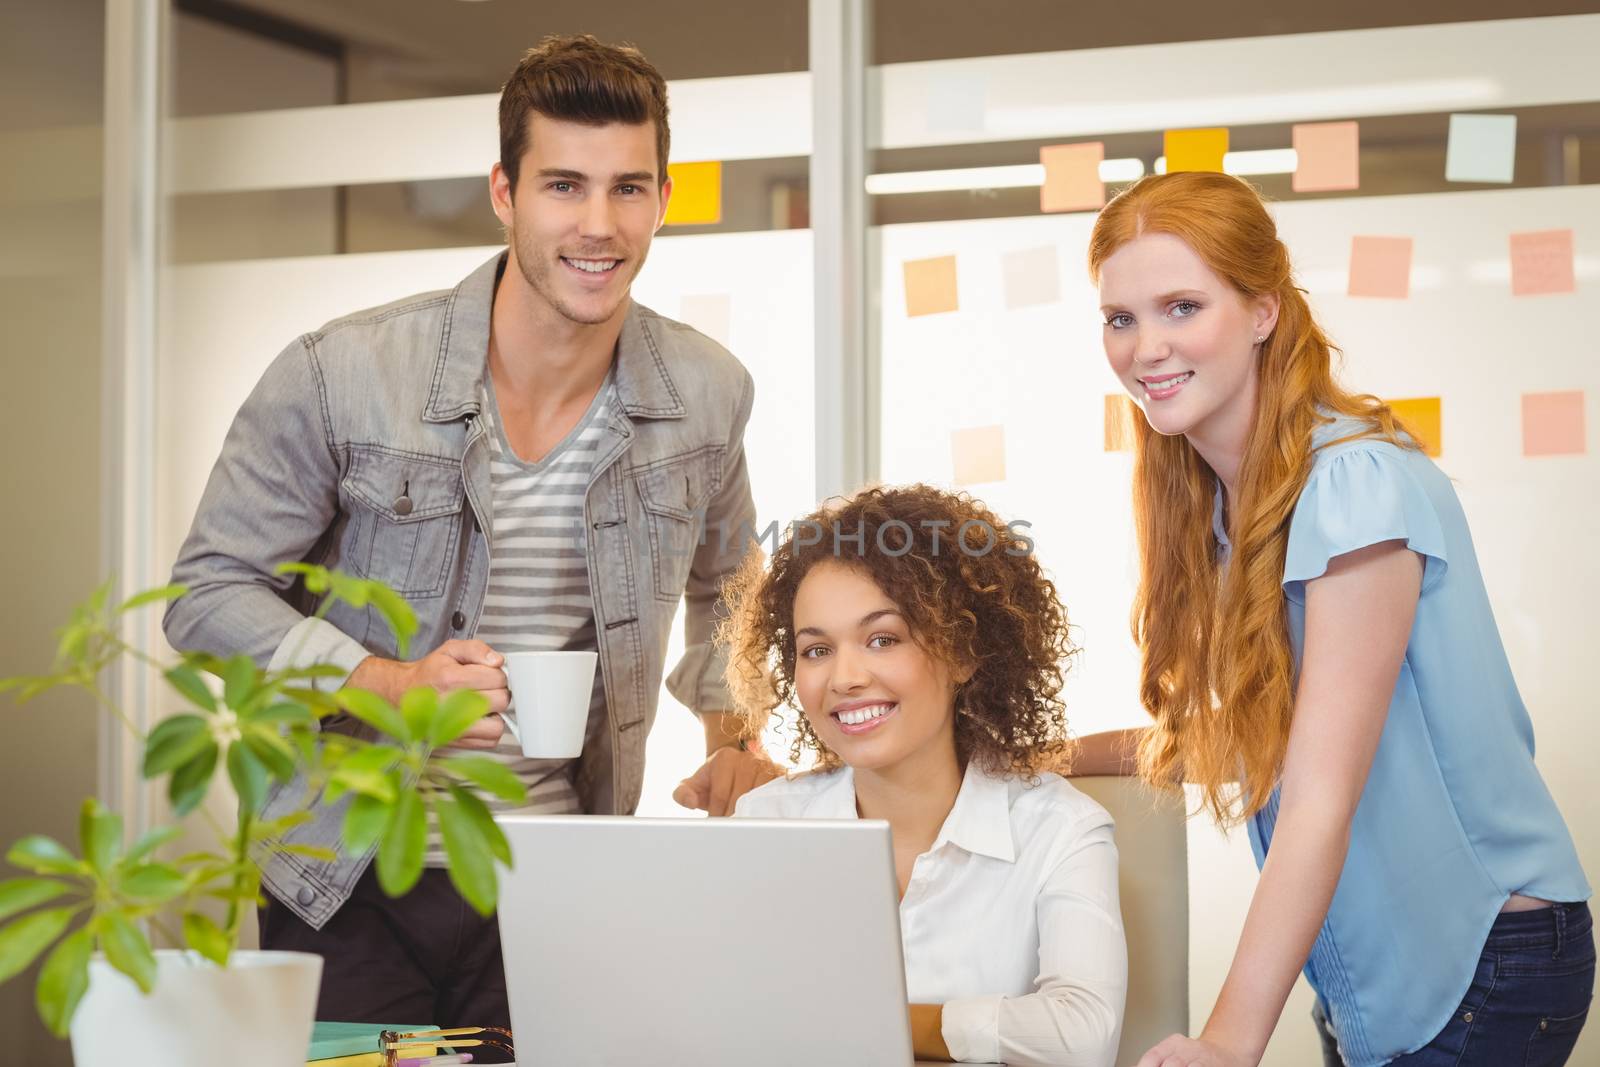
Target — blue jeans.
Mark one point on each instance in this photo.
(1527, 1002)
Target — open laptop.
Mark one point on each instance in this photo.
(718, 943)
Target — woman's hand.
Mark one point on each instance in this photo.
(1180, 1051)
(927, 1032)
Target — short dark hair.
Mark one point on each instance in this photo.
(576, 78)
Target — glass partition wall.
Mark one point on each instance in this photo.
(896, 251)
(1473, 143)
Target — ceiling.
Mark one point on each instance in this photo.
(468, 46)
(400, 49)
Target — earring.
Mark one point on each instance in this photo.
(1261, 339)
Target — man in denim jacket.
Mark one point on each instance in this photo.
(369, 444)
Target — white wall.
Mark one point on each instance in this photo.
(1040, 372)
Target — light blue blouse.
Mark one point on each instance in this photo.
(1454, 817)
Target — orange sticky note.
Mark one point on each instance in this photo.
(1072, 177)
(696, 194)
(1327, 156)
(1380, 267)
(1423, 420)
(1120, 413)
(1541, 262)
(931, 286)
(1195, 149)
(1552, 424)
(979, 454)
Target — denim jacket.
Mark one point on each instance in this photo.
(384, 405)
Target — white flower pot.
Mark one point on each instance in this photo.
(255, 1013)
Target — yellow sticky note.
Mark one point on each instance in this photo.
(1120, 414)
(1327, 156)
(979, 454)
(1196, 149)
(1072, 177)
(696, 194)
(1422, 419)
(931, 286)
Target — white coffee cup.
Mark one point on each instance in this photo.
(550, 693)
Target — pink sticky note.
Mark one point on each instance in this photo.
(1552, 424)
(1541, 262)
(1380, 267)
(1328, 156)
(1072, 177)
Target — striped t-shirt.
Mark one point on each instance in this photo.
(538, 593)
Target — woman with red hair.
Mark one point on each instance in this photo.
(1320, 658)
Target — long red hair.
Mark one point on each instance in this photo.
(1217, 672)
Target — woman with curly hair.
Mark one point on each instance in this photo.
(924, 647)
(1315, 628)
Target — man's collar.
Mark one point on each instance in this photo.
(644, 387)
(980, 821)
(463, 357)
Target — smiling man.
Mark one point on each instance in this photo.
(531, 460)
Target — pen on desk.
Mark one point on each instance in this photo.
(436, 1061)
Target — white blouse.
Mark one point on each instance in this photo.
(1011, 920)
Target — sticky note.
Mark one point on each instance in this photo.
(1031, 276)
(1327, 156)
(1541, 262)
(1422, 419)
(710, 313)
(1552, 424)
(957, 105)
(1120, 413)
(1195, 149)
(1072, 177)
(1482, 148)
(696, 194)
(1380, 267)
(979, 454)
(931, 285)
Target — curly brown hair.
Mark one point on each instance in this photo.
(971, 591)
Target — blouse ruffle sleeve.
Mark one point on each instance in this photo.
(1358, 497)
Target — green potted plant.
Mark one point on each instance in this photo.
(95, 913)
